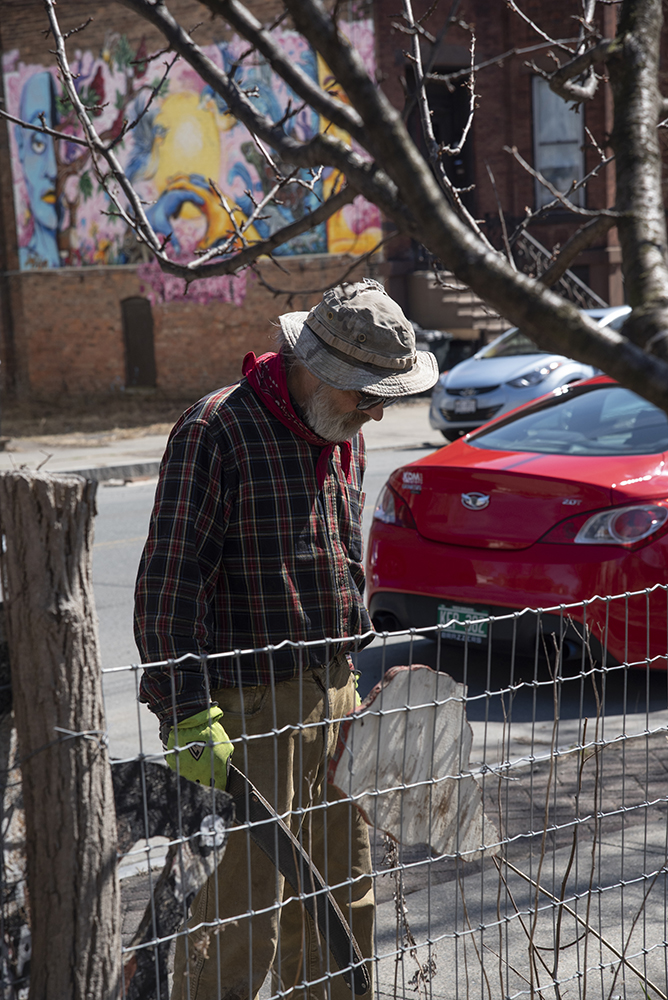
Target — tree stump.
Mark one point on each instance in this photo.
(47, 534)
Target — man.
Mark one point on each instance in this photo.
(256, 538)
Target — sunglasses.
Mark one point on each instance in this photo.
(367, 402)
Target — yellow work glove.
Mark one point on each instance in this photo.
(358, 699)
(200, 737)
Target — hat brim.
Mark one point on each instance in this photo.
(340, 374)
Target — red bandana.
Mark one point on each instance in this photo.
(266, 376)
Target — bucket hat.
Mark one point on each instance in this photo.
(357, 337)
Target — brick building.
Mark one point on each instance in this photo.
(82, 308)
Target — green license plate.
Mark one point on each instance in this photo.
(455, 616)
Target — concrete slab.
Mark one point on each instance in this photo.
(481, 932)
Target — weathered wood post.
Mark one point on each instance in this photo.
(47, 532)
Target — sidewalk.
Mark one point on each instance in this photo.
(131, 454)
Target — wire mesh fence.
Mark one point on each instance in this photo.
(491, 820)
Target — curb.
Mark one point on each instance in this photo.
(105, 472)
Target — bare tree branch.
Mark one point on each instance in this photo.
(243, 258)
(250, 28)
(319, 288)
(80, 27)
(95, 144)
(502, 218)
(447, 24)
(561, 80)
(532, 24)
(127, 126)
(584, 238)
(434, 151)
(44, 129)
(633, 67)
(457, 148)
(450, 78)
(560, 196)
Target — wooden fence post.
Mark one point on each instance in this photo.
(46, 523)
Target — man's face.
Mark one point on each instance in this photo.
(333, 414)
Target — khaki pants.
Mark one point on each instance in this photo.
(288, 764)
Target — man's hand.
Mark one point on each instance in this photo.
(195, 741)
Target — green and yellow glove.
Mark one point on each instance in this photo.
(199, 738)
(358, 699)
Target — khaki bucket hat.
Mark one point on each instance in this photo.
(357, 337)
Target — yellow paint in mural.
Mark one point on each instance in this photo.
(340, 237)
(187, 150)
(218, 224)
(188, 142)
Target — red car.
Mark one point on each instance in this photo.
(559, 502)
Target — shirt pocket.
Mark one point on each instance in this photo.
(351, 523)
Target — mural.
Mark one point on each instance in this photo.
(186, 138)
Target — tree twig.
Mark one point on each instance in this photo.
(450, 78)
(561, 81)
(560, 196)
(532, 24)
(581, 240)
(502, 218)
(591, 930)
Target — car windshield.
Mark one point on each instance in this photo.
(510, 344)
(593, 420)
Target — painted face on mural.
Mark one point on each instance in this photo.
(37, 151)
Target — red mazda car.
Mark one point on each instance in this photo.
(563, 501)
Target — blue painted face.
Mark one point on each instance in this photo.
(37, 151)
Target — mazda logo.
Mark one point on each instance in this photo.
(475, 501)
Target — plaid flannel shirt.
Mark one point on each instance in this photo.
(244, 551)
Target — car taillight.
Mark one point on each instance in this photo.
(617, 526)
(391, 509)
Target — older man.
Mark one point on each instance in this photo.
(256, 538)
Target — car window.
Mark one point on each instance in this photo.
(607, 420)
(512, 343)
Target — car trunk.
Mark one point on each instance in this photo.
(519, 510)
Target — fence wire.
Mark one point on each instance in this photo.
(491, 821)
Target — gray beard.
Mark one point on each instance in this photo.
(324, 421)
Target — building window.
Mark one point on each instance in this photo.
(138, 337)
(449, 115)
(558, 138)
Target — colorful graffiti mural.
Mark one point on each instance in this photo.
(185, 139)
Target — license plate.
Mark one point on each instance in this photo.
(465, 405)
(456, 615)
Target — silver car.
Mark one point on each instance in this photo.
(506, 373)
